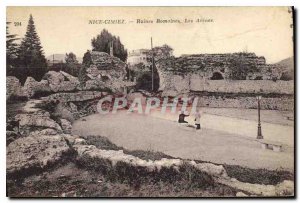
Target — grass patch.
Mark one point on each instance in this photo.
(258, 176)
(72, 181)
(137, 176)
(104, 143)
(101, 142)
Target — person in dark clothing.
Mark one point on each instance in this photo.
(181, 118)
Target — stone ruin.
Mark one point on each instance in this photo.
(46, 141)
(219, 66)
(105, 66)
(51, 82)
(107, 71)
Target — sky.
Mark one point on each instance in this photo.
(265, 31)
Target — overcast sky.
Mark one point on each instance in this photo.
(263, 30)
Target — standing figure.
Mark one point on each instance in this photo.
(197, 120)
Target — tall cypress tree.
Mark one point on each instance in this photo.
(11, 47)
(31, 53)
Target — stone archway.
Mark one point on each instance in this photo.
(144, 81)
(217, 76)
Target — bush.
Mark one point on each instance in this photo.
(22, 73)
(72, 69)
(288, 75)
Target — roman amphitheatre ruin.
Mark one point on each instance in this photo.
(55, 133)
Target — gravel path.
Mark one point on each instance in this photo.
(222, 140)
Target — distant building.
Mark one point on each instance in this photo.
(144, 55)
(53, 62)
(138, 56)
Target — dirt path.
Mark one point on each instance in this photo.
(134, 131)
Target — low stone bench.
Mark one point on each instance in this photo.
(275, 146)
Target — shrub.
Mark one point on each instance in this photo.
(22, 73)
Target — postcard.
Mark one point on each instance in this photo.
(150, 102)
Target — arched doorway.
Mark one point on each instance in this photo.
(217, 76)
(144, 81)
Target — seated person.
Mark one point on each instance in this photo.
(181, 117)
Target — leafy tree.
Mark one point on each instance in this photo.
(103, 41)
(87, 59)
(71, 66)
(164, 51)
(11, 47)
(31, 52)
(71, 58)
(287, 75)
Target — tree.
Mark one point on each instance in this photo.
(103, 42)
(31, 52)
(11, 47)
(287, 75)
(72, 66)
(87, 59)
(71, 59)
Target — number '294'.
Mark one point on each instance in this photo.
(17, 23)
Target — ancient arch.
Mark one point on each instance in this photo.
(217, 76)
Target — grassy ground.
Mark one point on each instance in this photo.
(104, 143)
(91, 177)
(259, 176)
(72, 181)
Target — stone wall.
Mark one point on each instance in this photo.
(106, 67)
(277, 95)
(211, 72)
(241, 86)
(251, 66)
(173, 85)
(206, 64)
(76, 96)
(268, 103)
